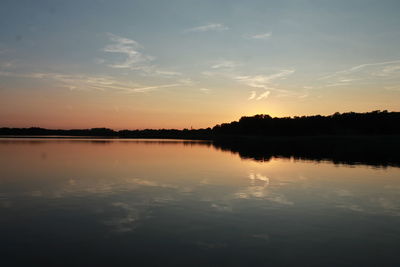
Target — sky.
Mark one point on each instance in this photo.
(183, 63)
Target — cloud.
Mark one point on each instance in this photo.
(223, 68)
(393, 88)
(225, 64)
(263, 95)
(263, 81)
(303, 95)
(150, 88)
(386, 68)
(186, 82)
(134, 59)
(392, 68)
(167, 73)
(377, 72)
(261, 36)
(227, 69)
(92, 82)
(253, 95)
(205, 90)
(374, 64)
(257, 81)
(130, 49)
(208, 27)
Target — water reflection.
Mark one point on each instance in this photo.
(175, 203)
(370, 151)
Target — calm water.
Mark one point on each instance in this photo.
(172, 203)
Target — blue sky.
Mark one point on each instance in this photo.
(194, 62)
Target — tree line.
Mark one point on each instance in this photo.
(350, 123)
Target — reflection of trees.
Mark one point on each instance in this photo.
(369, 150)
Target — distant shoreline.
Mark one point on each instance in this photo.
(375, 123)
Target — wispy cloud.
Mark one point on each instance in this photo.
(225, 64)
(393, 88)
(205, 90)
(208, 27)
(134, 58)
(263, 95)
(386, 71)
(263, 81)
(229, 70)
(151, 88)
(374, 64)
(260, 36)
(130, 49)
(92, 82)
(252, 95)
(167, 73)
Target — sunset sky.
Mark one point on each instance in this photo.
(181, 64)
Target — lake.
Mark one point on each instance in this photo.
(102, 202)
